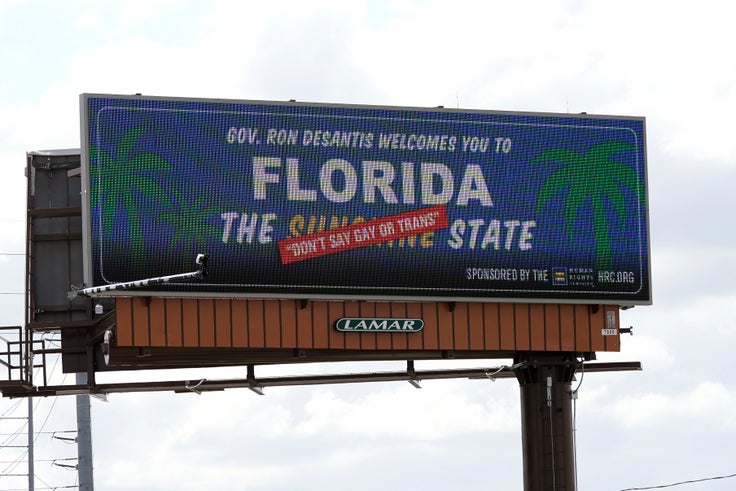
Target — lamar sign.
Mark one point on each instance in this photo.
(356, 324)
(297, 200)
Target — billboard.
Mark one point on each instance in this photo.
(361, 202)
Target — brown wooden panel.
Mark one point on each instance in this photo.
(383, 309)
(431, 333)
(173, 323)
(223, 323)
(567, 327)
(320, 325)
(335, 310)
(582, 328)
(552, 327)
(537, 336)
(288, 323)
(293, 324)
(460, 327)
(304, 328)
(274, 327)
(352, 339)
(597, 340)
(157, 322)
(141, 333)
(206, 323)
(124, 321)
(190, 324)
(515, 328)
(415, 341)
(400, 340)
(239, 318)
(445, 326)
(368, 340)
(475, 326)
(491, 327)
(256, 324)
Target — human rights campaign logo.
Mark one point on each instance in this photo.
(559, 276)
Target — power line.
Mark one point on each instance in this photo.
(662, 486)
(71, 486)
(37, 432)
(11, 409)
(11, 467)
(44, 460)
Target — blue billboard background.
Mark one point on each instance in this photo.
(542, 207)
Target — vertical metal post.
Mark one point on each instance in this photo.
(26, 357)
(84, 438)
(546, 422)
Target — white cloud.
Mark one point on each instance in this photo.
(680, 84)
(402, 412)
(712, 313)
(708, 404)
(52, 122)
(652, 351)
(128, 14)
(142, 65)
(9, 4)
(690, 319)
(160, 471)
(238, 437)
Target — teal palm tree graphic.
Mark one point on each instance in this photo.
(191, 229)
(591, 179)
(117, 180)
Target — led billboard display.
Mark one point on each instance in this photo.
(338, 201)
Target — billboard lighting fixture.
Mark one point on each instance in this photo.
(201, 272)
(195, 388)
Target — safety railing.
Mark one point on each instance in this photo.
(20, 355)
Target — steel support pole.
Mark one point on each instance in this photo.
(84, 439)
(546, 421)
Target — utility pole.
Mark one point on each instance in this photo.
(84, 438)
(546, 421)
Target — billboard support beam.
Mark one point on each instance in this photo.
(546, 420)
(14, 389)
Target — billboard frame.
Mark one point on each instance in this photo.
(596, 297)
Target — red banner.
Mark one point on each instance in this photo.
(363, 234)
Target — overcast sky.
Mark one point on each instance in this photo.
(670, 61)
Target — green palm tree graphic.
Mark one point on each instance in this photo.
(187, 218)
(591, 179)
(118, 178)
